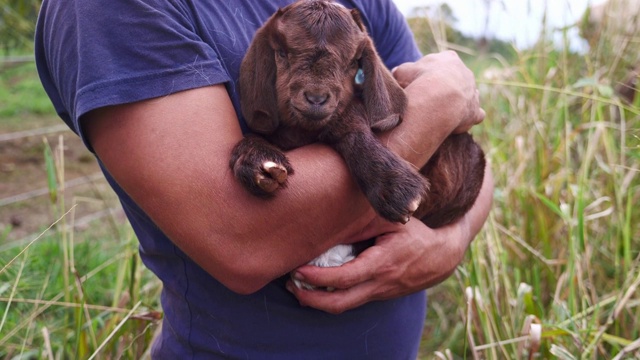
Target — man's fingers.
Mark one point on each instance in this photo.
(481, 116)
(479, 113)
(406, 73)
(334, 302)
(475, 116)
(357, 271)
(355, 283)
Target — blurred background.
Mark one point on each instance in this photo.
(519, 22)
(555, 273)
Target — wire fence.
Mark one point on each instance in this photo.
(11, 61)
(13, 199)
(33, 132)
(25, 196)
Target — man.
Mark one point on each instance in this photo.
(151, 87)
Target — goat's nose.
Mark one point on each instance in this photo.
(316, 98)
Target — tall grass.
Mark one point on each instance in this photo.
(556, 270)
(75, 295)
(554, 273)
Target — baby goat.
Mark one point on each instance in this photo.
(312, 74)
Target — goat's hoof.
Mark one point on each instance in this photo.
(412, 208)
(275, 171)
(398, 212)
(271, 177)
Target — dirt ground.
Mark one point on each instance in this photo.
(25, 205)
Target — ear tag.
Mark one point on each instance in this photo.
(359, 77)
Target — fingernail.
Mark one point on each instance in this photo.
(289, 287)
(298, 276)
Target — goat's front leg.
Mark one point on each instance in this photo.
(260, 167)
(391, 185)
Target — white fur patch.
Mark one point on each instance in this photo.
(336, 256)
(268, 165)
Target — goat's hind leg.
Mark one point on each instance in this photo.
(455, 172)
(259, 166)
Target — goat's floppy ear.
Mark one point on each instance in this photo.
(355, 14)
(383, 97)
(258, 81)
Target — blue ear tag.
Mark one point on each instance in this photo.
(359, 77)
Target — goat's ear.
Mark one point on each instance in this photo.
(258, 81)
(355, 14)
(383, 97)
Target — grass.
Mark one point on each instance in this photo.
(54, 310)
(554, 273)
(21, 95)
(561, 247)
(75, 294)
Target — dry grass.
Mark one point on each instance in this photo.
(554, 273)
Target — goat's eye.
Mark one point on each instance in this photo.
(281, 53)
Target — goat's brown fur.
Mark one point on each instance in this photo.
(297, 87)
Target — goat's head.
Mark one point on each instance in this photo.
(305, 64)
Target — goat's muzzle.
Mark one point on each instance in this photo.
(314, 105)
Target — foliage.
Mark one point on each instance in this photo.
(559, 253)
(561, 248)
(435, 30)
(21, 93)
(17, 19)
(72, 295)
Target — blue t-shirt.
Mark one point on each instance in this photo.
(92, 54)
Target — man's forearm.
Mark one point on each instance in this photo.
(171, 154)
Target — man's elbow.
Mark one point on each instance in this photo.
(243, 286)
(244, 279)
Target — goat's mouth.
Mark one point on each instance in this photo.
(314, 112)
(314, 106)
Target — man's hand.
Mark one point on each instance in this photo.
(401, 262)
(179, 175)
(442, 99)
(405, 259)
(443, 76)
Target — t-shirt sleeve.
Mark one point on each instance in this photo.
(92, 54)
(390, 32)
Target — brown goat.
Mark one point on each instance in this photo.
(312, 74)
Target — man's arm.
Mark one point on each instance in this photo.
(413, 257)
(170, 154)
(404, 260)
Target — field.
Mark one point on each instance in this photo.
(554, 273)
